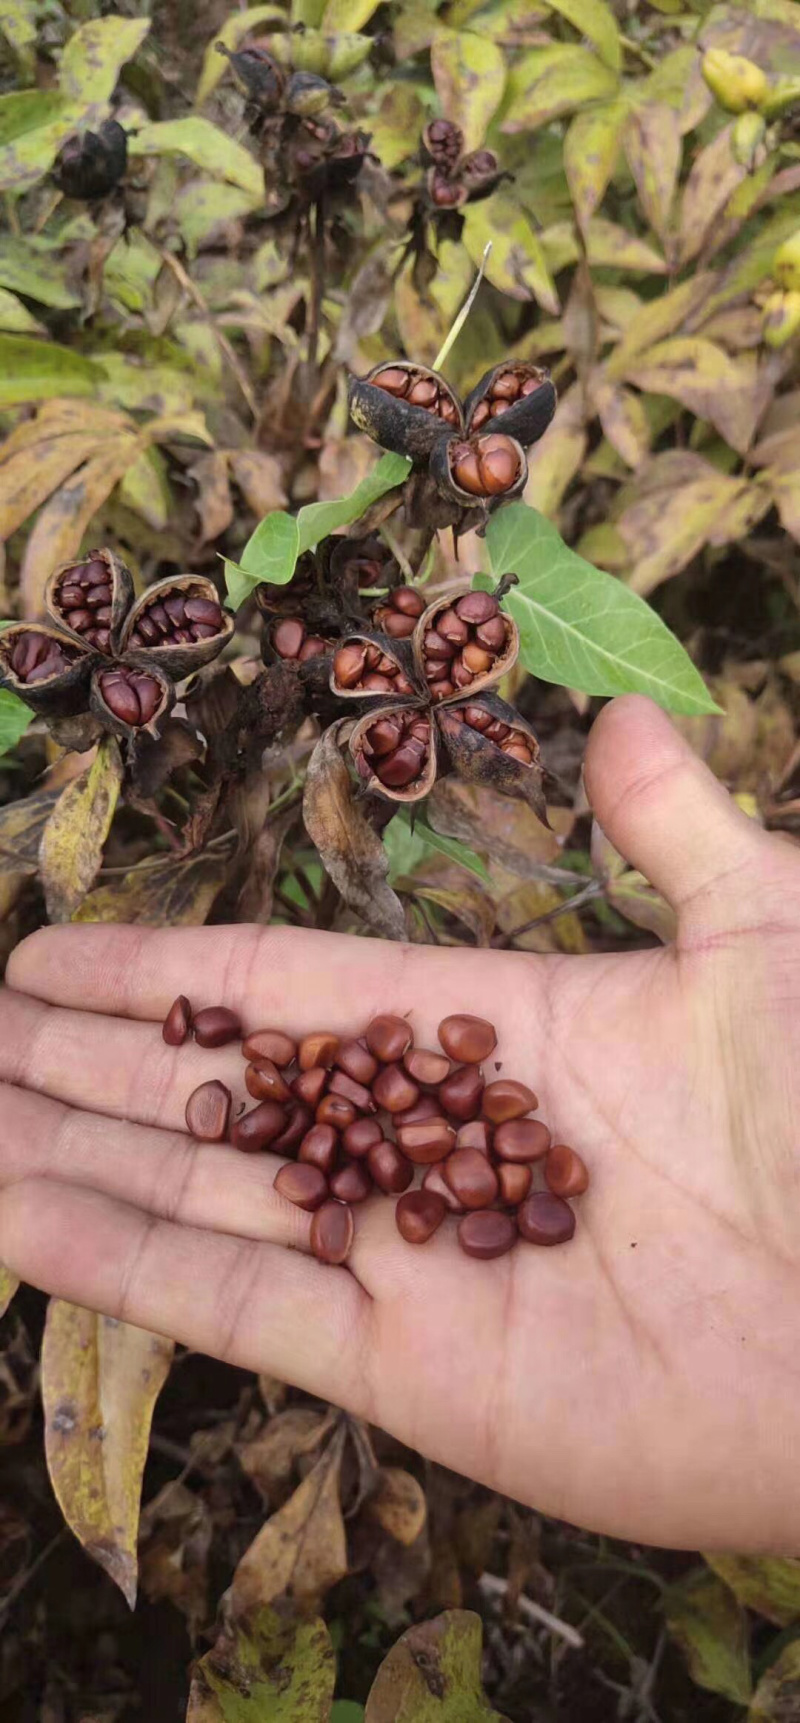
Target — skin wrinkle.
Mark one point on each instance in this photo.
(237, 1298)
(127, 1284)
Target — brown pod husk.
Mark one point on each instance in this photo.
(120, 580)
(480, 760)
(528, 417)
(401, 653)
(479, 173)
(110, 720)
(391, 421)
(441, 472)
(181, 658)
(445, 193)
(57, 696)
(504, 661)
(421, 787)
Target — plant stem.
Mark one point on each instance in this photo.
(463, 314)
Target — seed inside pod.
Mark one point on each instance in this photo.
(177, 617)
(363, 667)
(35, 656)
(418, 389)
(485, 466)
(462, 645)
(83, 595)
(132, 695)
(402, 763)
(397, 614)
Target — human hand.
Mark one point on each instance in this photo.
(642, 1380)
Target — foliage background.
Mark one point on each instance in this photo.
(156, 393)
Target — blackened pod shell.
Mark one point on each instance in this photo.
(111, 720)
(441, 473)
(182, 657)
(528, 417)
(393, 422)
(505, 660)
(400, 651)
(480, 760)
(57, 696)
(422, 786)
(120, 581)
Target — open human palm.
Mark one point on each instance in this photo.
(644, 1379)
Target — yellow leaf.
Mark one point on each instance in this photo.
(8, 1286)
(652, 143)
(623, 419)
(609, 246)
(705, 1619)
(556, 458)
(233, 31)
(347, 15)
(71, 849)
(595, 20)
(776, 1696)
(768, 1584)
(144, 488)
(640, 903)
(469, 72)
(680, 502)
(204, 145)
(178, 891)
(591, 149)
(100, 1382)
(91, 61)
(571, 77)
(301, 1551)
(516, 262)
(710, 382)
(657, 318)
(30, 477)
(715, 175)
(63, 521)
(15, 317)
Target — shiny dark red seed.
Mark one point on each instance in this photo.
(332, 1232)
(208, 1111)
(215, 1025)
(177, 1022)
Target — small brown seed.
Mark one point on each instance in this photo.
(471, 1177)
(356, 1059)
(302, 1184)
(352, 1183)
(433, 1179)
(545, 1219)
(466, 469)
(319, 1148)
(425, 1108)
(499, 464)
(505, 387)
(313, 647)
(566, 1175)
(383, 737)
(348, 663)
(261, 1126)
(397, 627)
(215, 1026)
(477, 606)
(506, 1099)
(462, 1092)
(394, 1090)
(427, 1068)
(407, 600)
(491, 634)
(332, 1232)
(265, 1083)
(425, 1141)
(208, 1110)
(522, 1140)
(423, 393)
(391, 1171)
(335, 1110)
(396, 382)
(362, 1136)
(487, 1233)
(418, 1214)
(474, 1135)
(317, 1049)
(476, 659)
(467, 1039)
(299, 1120)
(177, 1022)
(452, 627)
(515, 1179)
(401, 768)
(269, 1044)
(341, 1084)
(203, 610)
(388, 1038)
(288, 637)
(309, 1086)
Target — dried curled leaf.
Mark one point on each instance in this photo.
(71, 849)
(100, 1381)
(302, 1550)
(433, 1675)
(176, 892)
(351, 852)
(271, 1666)
(21, 826)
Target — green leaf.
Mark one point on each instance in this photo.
(469, 72)
(570, 77)
(349, 15)
(18, 25)
(583, 628)
(279, 539)
(708, 1624)
(24, 111)
(595, 20)
(92, 59)
(34, 370)
(15, 717)
(270, 1667)
(347, 1711)
(42, 278)
(768, 1584)
(32, 132)
(408, 846)
(203, 144)
(433, 1675)
(15, 317)
(516, 263)
(777, 1695)
(591, 148)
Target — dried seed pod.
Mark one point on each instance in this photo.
(372, 664)
(89, 597)
(515, 394)
(479, 173)
(260, 77)
(442, 143)
(443, 191)
(489, 743)
(479, 470)
(129, 698)
(394, 751)
(178, 624)
(45, 668)
(90, 164)
(404, 407)
(346, 161)
(454, 654)
(307, 94)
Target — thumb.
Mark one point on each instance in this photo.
(666, 813)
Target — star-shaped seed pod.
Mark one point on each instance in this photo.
(471, 455)
(455, 177)
(432, 706)
(103, 654)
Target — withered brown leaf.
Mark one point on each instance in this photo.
(349, 848)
